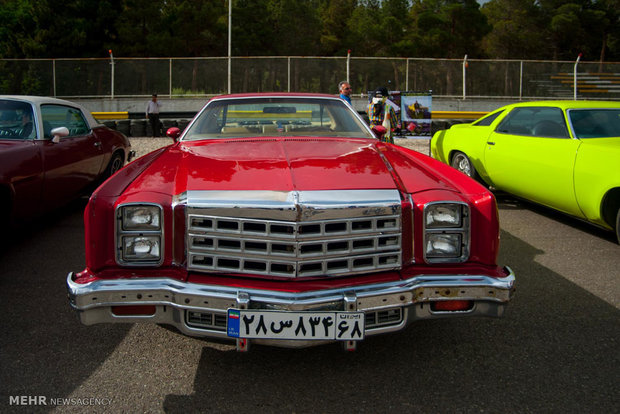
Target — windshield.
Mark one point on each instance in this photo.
(595, 123)
(16, 120)
(277, 116)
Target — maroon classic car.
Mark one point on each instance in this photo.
(52, 150)
(281, 219)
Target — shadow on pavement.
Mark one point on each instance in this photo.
(45, 351)
(556, 350)
(508, 202)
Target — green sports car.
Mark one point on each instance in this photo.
(561, 154)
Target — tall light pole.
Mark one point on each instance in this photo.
(229, 43)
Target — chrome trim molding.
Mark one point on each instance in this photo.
(93, 301)
(294, 205)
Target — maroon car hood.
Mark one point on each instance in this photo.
(281, 164)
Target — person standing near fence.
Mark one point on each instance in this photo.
(380, 112)
(345, 91)
(152, 113)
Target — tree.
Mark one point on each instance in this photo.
(514, 22)
(448, 28)
(524, 29)
(365, 29)
(193, 28)
(335, 16)
(54, 28)
(138, 23)
(296, 27)
(610, 29)
(395, 26)
(16, 30)
(252, 29)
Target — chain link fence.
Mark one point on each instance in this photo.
(178, 77)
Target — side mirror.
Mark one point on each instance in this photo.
(173, 133)
(379, 130)
(58, 133)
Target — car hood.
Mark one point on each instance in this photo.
(283, 164)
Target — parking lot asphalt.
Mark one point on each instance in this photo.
(555, 350)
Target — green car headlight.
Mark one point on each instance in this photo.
(139, 235)
(446, 232)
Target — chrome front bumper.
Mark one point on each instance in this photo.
(174, 299)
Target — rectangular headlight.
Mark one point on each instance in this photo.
(446, 232)
(443, 215)
(443, 245)
(141, 217)
(141, 248)
(139, 235)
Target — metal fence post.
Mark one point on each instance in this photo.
(465, 77)
(348, 65)
(54, 75)
(170, 77)
(521, 81)
(229, 45)
(288, 79)
(112, 74)
(575, 77)
(407, 76)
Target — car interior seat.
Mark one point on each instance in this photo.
(549, 129)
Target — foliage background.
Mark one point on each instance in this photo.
(514, 29)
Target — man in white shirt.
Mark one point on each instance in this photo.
(152, 113)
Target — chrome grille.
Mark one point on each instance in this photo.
(206, 320)
(383, 318)
(369, 240)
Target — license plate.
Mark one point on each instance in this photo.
(339, 326)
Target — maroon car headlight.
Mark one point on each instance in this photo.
(446, 232)
(139, 235)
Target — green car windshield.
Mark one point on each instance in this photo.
(276, 116)
(595, 123)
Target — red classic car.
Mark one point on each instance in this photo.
(281, 219)
(52, 150)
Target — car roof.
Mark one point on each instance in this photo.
(41, 100)
(276, 95)
(568, 104)
(37, 100)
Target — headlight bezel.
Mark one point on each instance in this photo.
(443, 232)
(127, 234)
